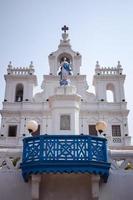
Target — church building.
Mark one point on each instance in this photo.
(69, 109)
(67, 157)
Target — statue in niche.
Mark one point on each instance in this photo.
(65, 70)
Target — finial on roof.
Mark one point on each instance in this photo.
(10, 65)
(97, 64)
(64, 34)
(119, 64)
(31, 64)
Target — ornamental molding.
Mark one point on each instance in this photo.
(70, 97)
(115, 120)
(12, 120)
(110, 77)
(21, 77)
(52, 78)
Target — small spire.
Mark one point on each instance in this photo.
(10, 65)
(31, 64)
(97, 64)
(119, 64)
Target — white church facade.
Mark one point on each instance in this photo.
(82, 108)
(67, 114)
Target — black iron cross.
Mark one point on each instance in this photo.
(64, 28)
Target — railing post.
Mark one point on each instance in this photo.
(105, 153)
(89, 150)
(24, 149)
(41, 148)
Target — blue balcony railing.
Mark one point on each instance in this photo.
(65, 154)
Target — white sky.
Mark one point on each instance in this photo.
(99, 29)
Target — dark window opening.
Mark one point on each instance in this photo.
(12, 131)
(92, 130)
(19, 93)
(37, 132)
(116, 130)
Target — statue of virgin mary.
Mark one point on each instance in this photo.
(65, 70)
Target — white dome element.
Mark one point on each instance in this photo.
(101, 126)
(32, 126)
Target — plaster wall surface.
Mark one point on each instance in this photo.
(66, 186)
(13, 187)
(118, 187)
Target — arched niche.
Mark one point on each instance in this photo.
(61, 57)
(110, 92)
(19, 92)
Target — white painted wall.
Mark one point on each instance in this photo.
(12, 186)
(118, 187)
(66, 186)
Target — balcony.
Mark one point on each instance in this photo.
(65, 154)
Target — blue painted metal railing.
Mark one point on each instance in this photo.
(64, 154)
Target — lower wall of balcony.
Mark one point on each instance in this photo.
(66, 186)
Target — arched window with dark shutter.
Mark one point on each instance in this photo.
(19, 92)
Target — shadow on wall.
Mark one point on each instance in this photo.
(65, 186)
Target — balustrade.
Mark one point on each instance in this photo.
(73, 153)
(20, 71)
(108, 71)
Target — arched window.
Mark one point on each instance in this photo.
(19, 93)
(110, 93)
(92, 129)
(110, 96)
(61, 58)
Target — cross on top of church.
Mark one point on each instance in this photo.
(64, 28)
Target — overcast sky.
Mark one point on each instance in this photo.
(99, 29)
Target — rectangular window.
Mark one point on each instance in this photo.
(65, 122)
(116, 130)
(92, 130)
(12, 131)
(37, 132)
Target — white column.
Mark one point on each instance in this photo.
(35, 183)
(95, 186)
